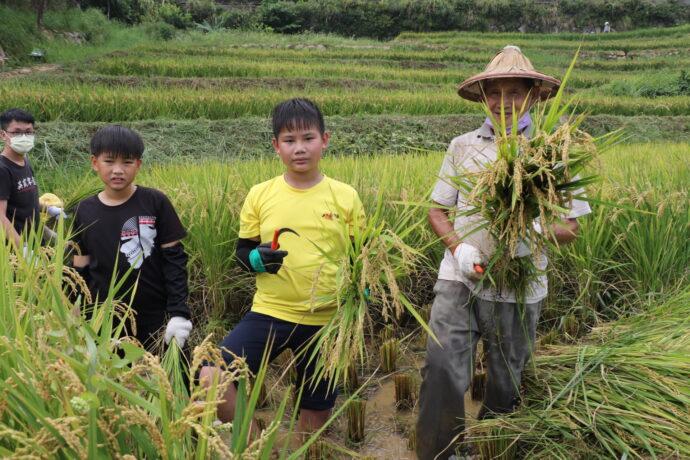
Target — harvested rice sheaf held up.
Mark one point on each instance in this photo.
(376, 258)
(533, 181)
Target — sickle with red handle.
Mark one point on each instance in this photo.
(276, 234)
(479, 269)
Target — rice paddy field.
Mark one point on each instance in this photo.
(611, 373)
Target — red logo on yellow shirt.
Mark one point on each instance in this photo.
(330, 215)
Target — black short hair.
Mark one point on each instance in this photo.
(297, 113)
(118, 141)
(8, 116)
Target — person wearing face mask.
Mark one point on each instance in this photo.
(19, 201)
(19, 206)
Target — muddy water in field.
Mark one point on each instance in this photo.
(388, 429)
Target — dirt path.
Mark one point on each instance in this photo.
(29, 70)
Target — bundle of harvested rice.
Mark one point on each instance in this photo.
(533, 180)
(624, 392)
(375, 259)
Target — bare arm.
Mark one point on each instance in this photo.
(7, 224)
(443, 227)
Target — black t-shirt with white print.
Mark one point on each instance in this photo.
(129, 236)
(18, 187)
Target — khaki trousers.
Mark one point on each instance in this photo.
(459, 320)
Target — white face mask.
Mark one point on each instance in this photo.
(22, 144)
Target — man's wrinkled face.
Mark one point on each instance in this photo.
(513, 92)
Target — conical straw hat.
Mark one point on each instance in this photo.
(509, 63)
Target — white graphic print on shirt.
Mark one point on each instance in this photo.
(25, 183)
(137, 236)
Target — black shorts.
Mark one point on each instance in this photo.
(249, 339)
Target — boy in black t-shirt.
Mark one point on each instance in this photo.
(127, 226)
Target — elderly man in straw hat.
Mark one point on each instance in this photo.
(464, 310)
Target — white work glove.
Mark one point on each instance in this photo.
(466, 257)
(27, 253)
(179, 328)
(29, 256)
(55, 211)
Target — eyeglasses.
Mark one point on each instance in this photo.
(20, 133)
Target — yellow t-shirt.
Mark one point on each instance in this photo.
(303, 290)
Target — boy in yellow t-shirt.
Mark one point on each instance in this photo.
(295, 283)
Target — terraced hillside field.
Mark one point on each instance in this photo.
(404, 89)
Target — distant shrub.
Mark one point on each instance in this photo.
(202, 10)
(160, 30)
(387, 18)
(283, 17)
(240, 19)
(173, 15)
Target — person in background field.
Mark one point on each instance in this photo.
(19, 201)
(464, 310)
(607, 27)
(290, 280)
(130, 227)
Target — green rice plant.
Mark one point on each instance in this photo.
(210, 205)
(633, 40)
(77, 100)
(69, 392)
(622, 392)
(85, 102)
(375, 258)
(623, 256)
(212, 66)
(75, 385)
(497, 447)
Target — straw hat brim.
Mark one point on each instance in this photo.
(470, 89)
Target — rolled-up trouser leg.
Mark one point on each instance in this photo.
(508, 333)
(447, 371)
